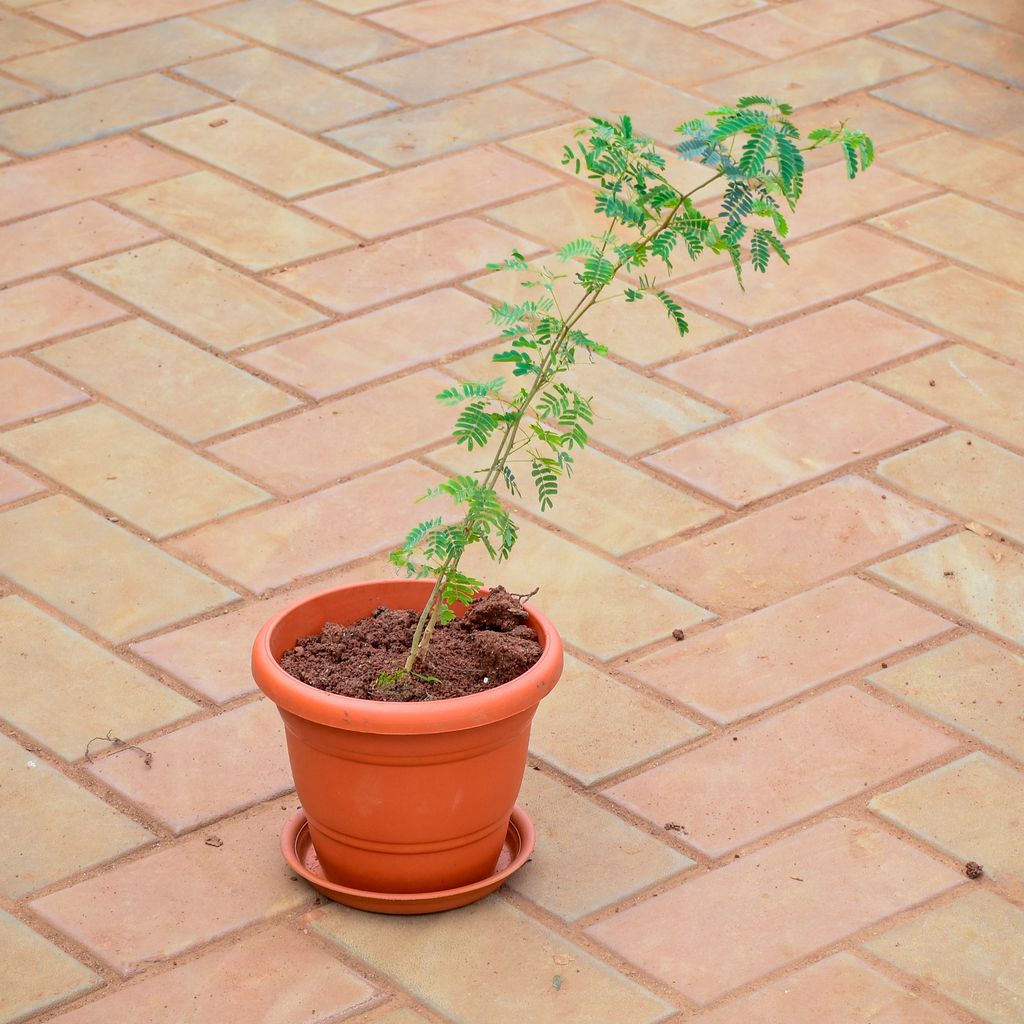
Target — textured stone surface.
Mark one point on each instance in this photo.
(47, 308)
(27, 391)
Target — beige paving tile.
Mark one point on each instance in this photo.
(98, 573)
(623, 726)
(225, 308)
(968, 950)
(309, 99)
(969, 683)
(26, 390)
(193, 893)
(345, 436)
(555, 217)
(20, 36)
(791, 545)
(496, 941)
(969, 387)
(243, 981)
(35, 975)
(15, 485)
(14, 94)
(781, 770)
(1004, 12)
(412, 197)
(168, 381)
(97, 113)
(698, 12)
(730, 926)
(94, 17)
(52, 240)
(63, 690)
(364, 348)
(435, 21)
(751, 663)
(970, 576)
(147, 480)
(231, 221)
(54, 828)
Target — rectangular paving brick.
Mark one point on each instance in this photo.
(26, 390)
(166, 380)
(94, 17)
(726, 928)
(751, 663)
(1003, 12)
(249, 146)
(108, 110)
(793, 443)
(76, 233)
(14, 94)
(19, 36)
(224, 308)
(98, 573)
(794, 544)
(553, 217)
(435, 21)
(698, 12)
(345, 436)
(193, 893)
(15, 485)
(969, 683)
(781, 770)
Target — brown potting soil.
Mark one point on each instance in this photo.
(488, 646)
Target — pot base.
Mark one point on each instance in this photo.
(297, 848)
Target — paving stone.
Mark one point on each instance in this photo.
(1005, 12)
(242, 981)
(958, 302)
(586, 857)
(19, 36)
(784, 362)
(444, 71)
(791, 545)
(726, 928)
(969, 576)
(26, 390)
(389, 270)
(108, 110)
(968, 950)
(969, 387)
(54, 828)
(825, 269)
(46, 308)
(491, 940)
(224, 308)
(961, 100)
(345, 436)
(275, 546)
(309, 31)
(168, 381)
(147, 480)
(193, 893)
(305, 97)
(436, 21)
(555, 217)
(794, 443)
(93, 62)
(35, 975)
(231, 221)
(94, 17)
(249, 146)
(92, 170)
(969, 683)
(98, 573)
(841, 989)
(409, 136)
(751, 663)
(52, 240)
(698, 12)
(967, 475)
(623, 726)
(14, 94)
(15, 485)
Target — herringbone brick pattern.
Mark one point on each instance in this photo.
(243, 244)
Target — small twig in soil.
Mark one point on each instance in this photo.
(526, 597)
(147, 757)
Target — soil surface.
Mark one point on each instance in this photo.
(488, 646)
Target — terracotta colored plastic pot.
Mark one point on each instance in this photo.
(402, 797)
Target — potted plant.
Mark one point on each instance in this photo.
(407, 703)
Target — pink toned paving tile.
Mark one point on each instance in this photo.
(95, 17)
(825, 269)
(841, 989)
(14, 94)
(192, 893)
(364, 348)
(744, 785)
(698, 12)
(751, 663)
(72, 235)
(1002, 12)
(555, 217)
(730, 926)
(409, 263)
(435, 21)
(342, 437)
(20, 36)
(26, 390)
(789, 546)
(15, 485)
(83, 173)
(277, 976)
(47, 308)
(784, 362)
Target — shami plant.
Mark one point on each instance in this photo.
(758, 150)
